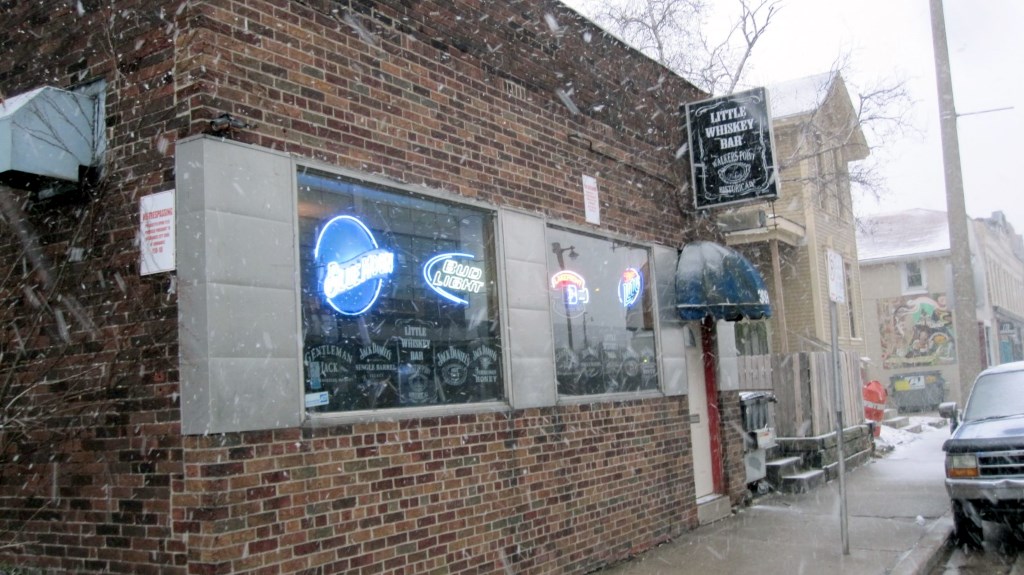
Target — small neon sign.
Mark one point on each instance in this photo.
(575, 294)
(574, 286)
(352, 265)
(631, 284)
(445, 273)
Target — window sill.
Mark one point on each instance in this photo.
(344, 418)
(609, 397)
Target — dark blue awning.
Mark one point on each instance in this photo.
(713, 280)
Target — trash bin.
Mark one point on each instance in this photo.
(918, 391)
(758, 415)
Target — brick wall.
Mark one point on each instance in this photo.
(506, 109)
(538, 491)
(731, 427)
(86, 487)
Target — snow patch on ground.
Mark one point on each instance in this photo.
(890, 437)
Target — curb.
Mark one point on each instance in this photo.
(923, 558)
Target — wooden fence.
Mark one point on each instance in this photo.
(802, 383)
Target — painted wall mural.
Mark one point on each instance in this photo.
(916, 330)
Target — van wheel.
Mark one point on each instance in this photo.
(967, 530)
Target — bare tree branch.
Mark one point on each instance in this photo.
(673, 33)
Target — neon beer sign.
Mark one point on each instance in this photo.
(573, 285)
(631, 284)
(352, 266)
(445, 273)
(575, 294)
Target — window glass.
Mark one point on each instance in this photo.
(399, 304)
(601, 313)
(751, 337)
(996, 395)
(913, 275)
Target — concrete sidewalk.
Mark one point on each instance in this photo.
(898, 521)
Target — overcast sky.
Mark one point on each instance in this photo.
(892, 39)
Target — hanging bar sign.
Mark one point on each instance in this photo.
(731, 154)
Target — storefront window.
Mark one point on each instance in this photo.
(399, 303)
(602, 315)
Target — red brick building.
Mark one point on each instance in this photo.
(396, 339)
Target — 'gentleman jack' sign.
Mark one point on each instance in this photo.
(731, 149)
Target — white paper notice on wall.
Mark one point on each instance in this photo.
(591, 200)
(156, 233)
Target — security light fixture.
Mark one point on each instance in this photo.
(225, 122)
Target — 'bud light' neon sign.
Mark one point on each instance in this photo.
(631, 284)
(352, 267)
(445, 273)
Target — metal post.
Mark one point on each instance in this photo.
(965, 317)
(841, 452)
(780, 299)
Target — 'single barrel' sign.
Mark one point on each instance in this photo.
(731, 151)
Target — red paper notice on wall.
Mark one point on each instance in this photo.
(156, 233)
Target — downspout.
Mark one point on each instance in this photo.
(708, 343)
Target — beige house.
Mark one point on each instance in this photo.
(817, 135)
(907, 277)
(1002, 302)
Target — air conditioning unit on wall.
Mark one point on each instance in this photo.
(739, 221)
(49, 137)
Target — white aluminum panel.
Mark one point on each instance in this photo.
(195, 397)
(671, 330)
(249, 322)
(530, 340)
(249, 251)
(238, 305)
(524, 236)
(728, 356)
(248, 394)
(524, 283)
(247, 180)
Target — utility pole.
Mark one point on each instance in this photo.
(965, 318)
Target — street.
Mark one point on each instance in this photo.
(898, 521)
(1001, 554)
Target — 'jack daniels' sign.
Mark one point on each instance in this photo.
(731, 151)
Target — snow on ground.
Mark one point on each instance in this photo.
(891, 437)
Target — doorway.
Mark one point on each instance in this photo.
(700, 431)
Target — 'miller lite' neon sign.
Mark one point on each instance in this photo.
(352, 266)
(631, 283)
(444, 273)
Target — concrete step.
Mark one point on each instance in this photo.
(802, 482)
(890, 412)
(852, 461)
(711, 508)
(897, 422)
(776, 469)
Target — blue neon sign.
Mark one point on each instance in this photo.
(352, 267)
(631, 284)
